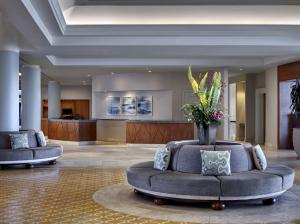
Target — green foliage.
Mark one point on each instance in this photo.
(295, 96)
(209, 109)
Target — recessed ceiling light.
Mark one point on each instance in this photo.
(112, 73)
(149, 71)
(89, 75)
(20, 73)
(241, 69)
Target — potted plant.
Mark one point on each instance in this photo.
(295, 107)
(208, 112)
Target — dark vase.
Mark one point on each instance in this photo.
(207, 133)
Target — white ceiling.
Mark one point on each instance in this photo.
(185, 2)
(182, 15)
(68, 53)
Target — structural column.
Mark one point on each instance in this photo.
(54, 96)
(9, 91)
(223, 130)
(31, 97)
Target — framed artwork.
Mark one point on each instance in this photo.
(128, 105)
(144, 105)
(113, 105)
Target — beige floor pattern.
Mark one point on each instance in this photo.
(63, 193)
(59, 196)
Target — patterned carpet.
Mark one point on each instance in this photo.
(47, 195)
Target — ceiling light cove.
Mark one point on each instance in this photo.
(182, 15)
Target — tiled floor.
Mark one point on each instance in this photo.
(63, 193)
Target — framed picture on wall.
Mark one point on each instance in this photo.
(144, 105)
(128, 105)
(113, 105)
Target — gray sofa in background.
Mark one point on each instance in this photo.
(183, 179)
(33, 155)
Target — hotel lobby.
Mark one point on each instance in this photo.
(149, 111)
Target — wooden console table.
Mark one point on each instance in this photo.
(158, 132)
(72, 130)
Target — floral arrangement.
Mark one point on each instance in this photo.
(209, 92)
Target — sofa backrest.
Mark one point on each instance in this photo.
(31, 138)
(240, 159)
(187, 157)
(175, 146)
(5, 138)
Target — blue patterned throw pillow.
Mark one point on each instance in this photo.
(41, 139)
(19, 141)
(259, 158)
(215, 163)
(162, 159)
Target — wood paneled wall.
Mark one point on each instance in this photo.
(72, 130)
(44, 126)
(80, 107)
(286, 73)
(158, 133)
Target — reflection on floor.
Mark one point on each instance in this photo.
(64, 193)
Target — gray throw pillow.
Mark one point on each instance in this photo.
(259, 158)
(41, 138)
(162, 159)
(215, 163)
(19, 141)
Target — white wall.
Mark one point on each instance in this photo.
(71, 92)
(271, 108)
(167, 89)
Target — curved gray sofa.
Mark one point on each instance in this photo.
(183, 179)
(33, 155)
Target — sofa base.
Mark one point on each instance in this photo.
(33, 161)
(209, 198)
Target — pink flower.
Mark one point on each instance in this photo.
(216, 115)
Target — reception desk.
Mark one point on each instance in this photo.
(71, 130)
(158, 132)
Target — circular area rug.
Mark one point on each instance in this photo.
(121, 198)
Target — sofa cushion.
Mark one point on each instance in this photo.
(162, 158)
(19, 141)
(32, 141)
(240, 159)
(189, 158)
(259, 157)
(47, 151)
(250, 183)
(140, 177)
(287, 174)
(215, 163)
(15, 155)
(41, 139)
(174, 182)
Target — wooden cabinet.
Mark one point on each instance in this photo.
(78, 107)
